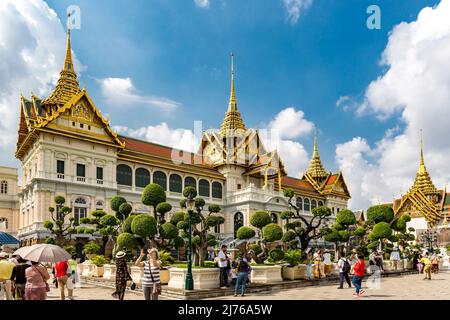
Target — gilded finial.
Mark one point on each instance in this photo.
(232, 93)
(316, 169)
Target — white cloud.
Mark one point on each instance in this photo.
(32, 48)
(290, 123)
(202, 3)
(183, 139)
(416, 88)
(294, 8)
(121, 92)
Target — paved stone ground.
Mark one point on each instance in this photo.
(407, 287)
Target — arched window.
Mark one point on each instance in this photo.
(175, 183)
(306, 206)
(124, 175)
(320, 203)
(4, 187)
(79, 210)
(99, 205)
(190, 182)
(160, 178)
(313, 204)
(142, 177)
(274, 217)
(217, 190)
(299, 203)
(203, 188)
(238, 222)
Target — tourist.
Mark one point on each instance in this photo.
(435, 263)
(72, 273)
(19, 279)
(344, 269)
(224, 265)
(395, 258)
(122, 276)
(151, 282)
(242, 270)
(6, 270)
(318, 264)
(358, 274)
(62, 273)
(372, 261)
(379, 260)
(328, 265)
(415, 260)
(309, 265)
(426, 267)
(14, 259)
(211, 254)
(36, 287)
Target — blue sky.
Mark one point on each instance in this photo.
(178, 50)
(155, 66)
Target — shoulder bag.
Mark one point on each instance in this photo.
(47, 287)
(156, 286)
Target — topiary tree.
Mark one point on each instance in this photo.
(126, 242)
(343, 230)
(293, 257)
(144, 227)
(266, 232)
(152, 196)
(106, 225)
(61, 227)
(305, 228)
(380, 213)
(202, 221)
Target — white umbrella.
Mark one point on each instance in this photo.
(43, 253)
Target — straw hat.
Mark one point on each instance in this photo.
(120, 254)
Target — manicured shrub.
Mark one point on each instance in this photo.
(276, 254)
(244, 233)
(168, 231)
(272, 232)
(177, 217)
(260, 219)
(126, 241)
(189, 192)
(99, 260)
(382, 230)
(214, 208)
(373, 245)
(91, 248)
(116, 201)
(345, 217)
(293, 257)
(332, 236)
(360, 232)
(255, 248)
(60, 200)
(144, 226)
(321, 211)
(125, 209)
(85, 220)
(109, 220)
(211, 240)
(380, 213)
(344, 235)
(153, 194)
(126, 225)
(177, 242)
(163, 207)
(288, 236)
(48, 225)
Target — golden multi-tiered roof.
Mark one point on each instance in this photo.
(67, 85)
(232, 123)
(316, 169)
(423, 180)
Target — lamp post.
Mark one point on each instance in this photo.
(190, 203)
(429, 237)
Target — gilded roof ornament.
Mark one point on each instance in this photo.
(232, 121)
(67, 85)
(423, 180)
(316, 169)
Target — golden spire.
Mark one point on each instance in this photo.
(423, 180)
(232, 120)
(316, 169)
(67, 85)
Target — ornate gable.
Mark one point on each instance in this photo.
(417, 205)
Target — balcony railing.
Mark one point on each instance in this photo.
(81, 179)
(74, 179)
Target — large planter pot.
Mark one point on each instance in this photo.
(98, 271)
(387, 266)
(294, 273)
(410, 265)
(204, 278)
(137, 273)
(164, 275)
(335, 271)
(109, 272)
(88, 268)
(265, 274)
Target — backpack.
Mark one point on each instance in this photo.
(346, 267)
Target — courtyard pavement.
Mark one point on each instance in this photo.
(406, 287)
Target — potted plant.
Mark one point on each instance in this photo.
(166, 260)
(91, 249)
(293, 270)
(99, 261)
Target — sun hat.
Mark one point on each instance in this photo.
(120, 254)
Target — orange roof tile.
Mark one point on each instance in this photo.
(297, 183)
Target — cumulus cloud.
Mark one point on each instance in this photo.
(183, 139)
(32, 48)
(122, 92)
(291, 123)
(204, 4)
(416, 89)
(294, 8)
